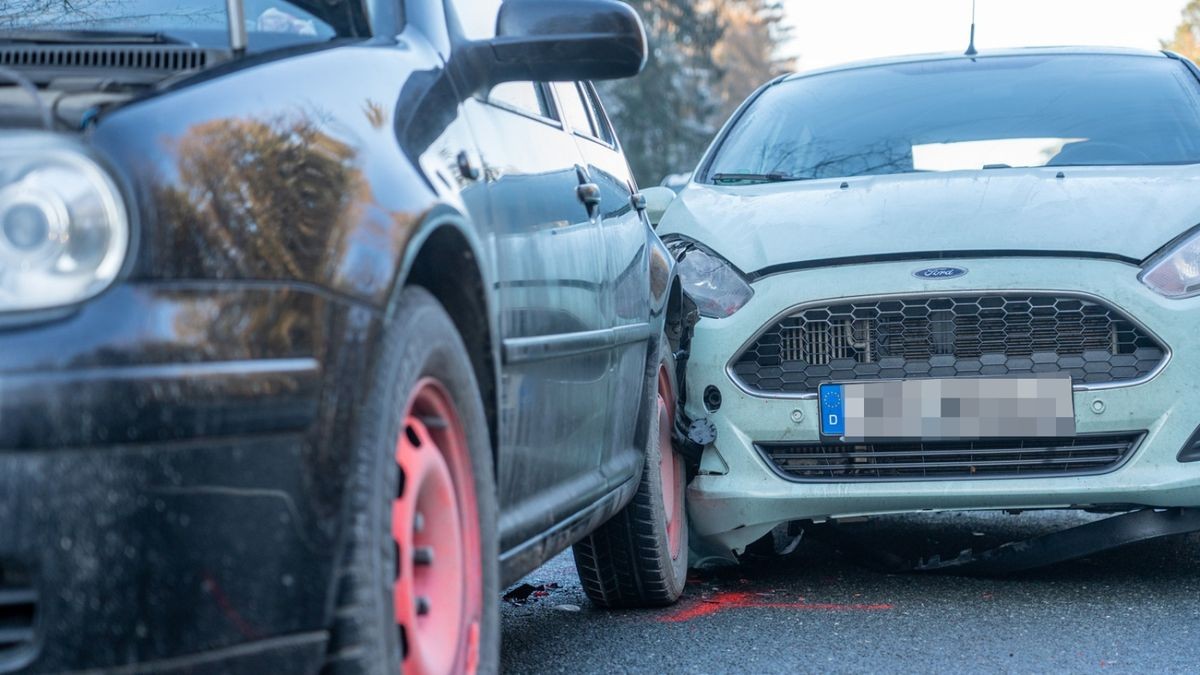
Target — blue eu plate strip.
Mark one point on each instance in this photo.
(833, 408)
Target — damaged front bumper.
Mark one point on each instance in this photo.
(739, 496)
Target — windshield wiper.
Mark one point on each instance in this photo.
(86, 37)
(754, 178)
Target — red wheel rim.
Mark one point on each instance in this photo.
(437, 592)
(670, 468)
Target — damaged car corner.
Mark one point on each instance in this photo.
(323, 324)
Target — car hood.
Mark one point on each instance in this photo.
(1125, 212)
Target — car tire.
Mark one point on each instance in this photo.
(639, 558)
(418, 586)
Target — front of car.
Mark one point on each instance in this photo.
(867, 242)
(168, 340)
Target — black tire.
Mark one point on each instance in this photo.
(419, 342)
(628, 561)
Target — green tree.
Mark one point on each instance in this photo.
(666, 115)
(748, 53)
(706, 56)
(1187, 34)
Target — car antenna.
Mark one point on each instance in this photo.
(971, 51)
(236, 9)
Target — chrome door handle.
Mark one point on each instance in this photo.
(589, 195)
(467, 168)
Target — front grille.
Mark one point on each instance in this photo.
(18, 609)
(948, 336)
(957, 460)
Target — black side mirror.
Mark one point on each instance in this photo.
(563, 40)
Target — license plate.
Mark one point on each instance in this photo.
(948, 409)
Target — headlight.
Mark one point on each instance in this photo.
(64, 231)
(1175, 271)
(716, 286)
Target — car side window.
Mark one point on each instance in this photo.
(599, 118)
(526, 97)
(574, 110)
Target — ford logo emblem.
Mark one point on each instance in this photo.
(939, 273)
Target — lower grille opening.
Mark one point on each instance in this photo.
(18, 612)
(950, 460)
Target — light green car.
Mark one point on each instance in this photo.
(872, 248)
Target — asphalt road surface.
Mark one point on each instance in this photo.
(832, 607)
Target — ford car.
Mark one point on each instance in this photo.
(945, 282)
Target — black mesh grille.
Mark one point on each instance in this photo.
(957, 460)
(961, 336)
(149, 57)
(18, 605)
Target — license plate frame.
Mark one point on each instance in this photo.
(940, 409)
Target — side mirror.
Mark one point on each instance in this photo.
(563, 40)
(658, 200)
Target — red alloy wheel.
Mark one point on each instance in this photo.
(670, 468)
(437, 593)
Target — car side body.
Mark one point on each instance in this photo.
(175, 450)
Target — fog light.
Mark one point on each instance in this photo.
(712, 399)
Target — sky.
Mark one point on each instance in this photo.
(828, 32)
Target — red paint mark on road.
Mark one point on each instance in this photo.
(740, 600)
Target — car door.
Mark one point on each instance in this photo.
(555, 309)
(625, 236)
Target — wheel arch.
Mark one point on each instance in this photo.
(446, 257)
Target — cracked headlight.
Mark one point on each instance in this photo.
(64, 231)
(715, 285)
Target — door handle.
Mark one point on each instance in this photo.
(467, 168)
(589, 196)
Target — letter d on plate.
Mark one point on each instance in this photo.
(833, 408)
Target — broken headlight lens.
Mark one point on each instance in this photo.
(715, 285)
(1175, 271)
(64, 231)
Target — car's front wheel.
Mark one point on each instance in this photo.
(639, 557)
(419, 585)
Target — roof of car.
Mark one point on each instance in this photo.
(985, 54)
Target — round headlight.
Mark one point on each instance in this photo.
(64, 231)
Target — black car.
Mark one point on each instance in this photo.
(318, 325)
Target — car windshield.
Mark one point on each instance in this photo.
(184, 18)
(967, 114)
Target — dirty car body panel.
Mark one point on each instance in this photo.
(174, 452)
(954, 272)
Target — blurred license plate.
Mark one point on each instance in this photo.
(948, 409)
